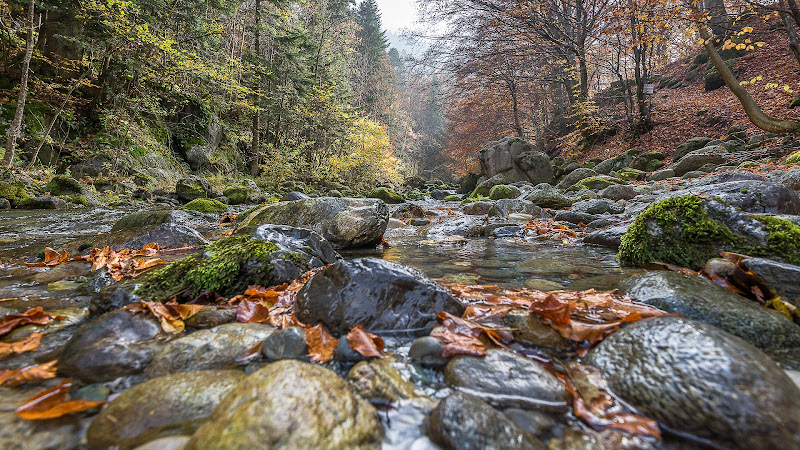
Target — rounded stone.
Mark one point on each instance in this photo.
(289, 343)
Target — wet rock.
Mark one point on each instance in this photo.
(409, 211)
(529, 330)
(291, 404)
(698, 379)
(760, 197)
(504, 191)
(463, 421)
(113, 345)
(540, 284)
(419, 222)
(784, 278)
(502, 208)
(69, 318)
(480, 208)
(619, 192)
(427, 351)
(377, 294)
(211, 316)
(586, 439)
(344, 222)
(289, 343)
(505, 379)
(700, 299)
(294, 195)
(607, 237)
(598, 206)
(380, 382)
(546, 196)
(346, 354)
(575, 176)
(18, 434)
(575, 217)
(207, 205)
(164, 406)
(168, 228)
(689, 230)
(42, 203)
(468, 226)
(503, 232)
(534, 423)
(166, 443)
(188, 189)
(266, 256)
(598, 223)
(215, 348)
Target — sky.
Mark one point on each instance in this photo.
(398, 14)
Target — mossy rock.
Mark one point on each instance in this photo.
(653, 165)
(453, 198)
(794, 158)
(206, 205)
(386, 195)
(63, 185)
(142, 219)
(13, 192)
(192, 188)
(687, 231)
(690, 146)
(236, 195)
(630, 174)
(504, 191)
(595, 183)
(77, 200)
(713, 79)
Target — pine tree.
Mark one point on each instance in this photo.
(375, 85)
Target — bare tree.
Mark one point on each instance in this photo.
(16, 124)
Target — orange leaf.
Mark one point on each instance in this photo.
(321, 343)
(52, 403)
(14, 348)
(367, 344)
(34, 315)
(252, 312)
(30, 373)
(51, 258)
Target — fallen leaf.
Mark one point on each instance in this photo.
(252, 312)
(7, 299)
(366, 344)
(321, 343)
(33, 315)
(26, 374)
(51, 258)
(459, 336)
(30, 343)
(52, 403)
(171, 322)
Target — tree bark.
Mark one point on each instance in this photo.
(792, 33)
(16, 124)
(256, 144)
(756, 115)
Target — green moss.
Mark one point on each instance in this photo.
(77, 200)
(206, 205)
(13, 192)
(690, 237)
(226, 267)
(595, 183)
(783, 240)
(236, 195)
(63, 185)
(630, 174)
(653, 165)
(142, 219)
(386, 195)
(502, 191)
(452, 198)
(794, 158)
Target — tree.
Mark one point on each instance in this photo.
(16, 123)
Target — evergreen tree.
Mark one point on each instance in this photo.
(374, 74)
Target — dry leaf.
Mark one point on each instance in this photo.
(459, 336)
(34, 315)
(321, 343)
(51, 258)
(52, 403)
(30, 373)
(28, 344)
(366, 344)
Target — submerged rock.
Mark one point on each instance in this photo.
(377, 294)
(462, 421)
(164, 406)
(344, 222)
(699, 299)
(700, 380)
(290, 404)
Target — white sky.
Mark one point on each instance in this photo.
(398, 14)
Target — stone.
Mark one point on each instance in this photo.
(387, 195)
(547, 196)
(783, 278)
(427, 351)
(294, 195)
(528, 329)
(379, 381)
(694, 161)
(166, 443)
(575, 176)
(93, 167)
(702, 300)
(188, 189)
(760, 197)
(344, 222)
(164, 406)
(517, 160)
(690, 146)
(373, 293)
(504, 191)
(291, 404)
(207, 205)
(618, 192)
(502, 208)
(661, 175)
(574, 217)
(464, 421)
(289, 343)
(441, 194)
(166, 227)
(211, 316)
(267, 255)
(64, 185)
(467, 226)
(790, 179)
(507, 380)
(484, 188)
(409, 211)
(480, 208)
(113, 345)
(689, 230)
(215, 348)
(42, 203)
(700, 380)
(598, 206)
(236, 195)
(533, 422)
(597, 183)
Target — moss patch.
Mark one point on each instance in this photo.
(14, 193)
(783, 240)
(595, 183)
(236, 195)
(226, 267)
(386, 195)
(206, 205)
(503, 191)
(62, 185)
(794, 158)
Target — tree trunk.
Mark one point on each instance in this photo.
(758, 117)
(16, 124)
(792, 33)
(517, 124)
(256, 144)
(719, 22)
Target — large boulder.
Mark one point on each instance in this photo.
(463, 421)
(690, 146)
(575, 176)
(164, 406)
(188, 189)
(697, 159)
(290, 404)
(546, 196)
(344, 222)
(517, 160)
(377, 294)
(748, 195)
(697, 379)
(265, 256)
(689, 230)
(702, 300)
(168, 228)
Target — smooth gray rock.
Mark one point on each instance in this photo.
(598, 206)
(784, 278)
(547, 196)
(502, 208)
(575, 176)
(289, 343)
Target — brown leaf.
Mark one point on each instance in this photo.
(367, 344)
(52, 403)
(30, 343)
(30, 373)
(321, 343)
(51, 258)
(459, 336)
(33, 315)
(171, 321)
(252, 312)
